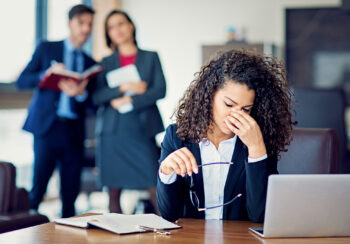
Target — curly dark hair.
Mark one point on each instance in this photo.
(272, 108)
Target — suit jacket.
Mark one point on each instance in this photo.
(150, 70)
(43, 106)
(250, 179)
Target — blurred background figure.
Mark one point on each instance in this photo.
(56, 118)
(127, 154)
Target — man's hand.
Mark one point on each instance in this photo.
(54, 67)
(71, 88)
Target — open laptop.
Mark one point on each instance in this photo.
(306, 206)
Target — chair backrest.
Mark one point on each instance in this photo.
(312, 151)
(7, 186)
(323, 108)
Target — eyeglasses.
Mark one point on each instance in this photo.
(193, 195)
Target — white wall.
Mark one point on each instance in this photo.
(178, 28)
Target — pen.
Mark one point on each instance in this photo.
(158, 231)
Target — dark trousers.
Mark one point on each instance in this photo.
(61, 147)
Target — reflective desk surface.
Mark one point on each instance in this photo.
(192, 231)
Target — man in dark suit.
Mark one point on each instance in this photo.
(56, 118)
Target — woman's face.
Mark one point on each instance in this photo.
(120, 30)
(232, 96)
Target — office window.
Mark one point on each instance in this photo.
(57, 27)
(17, 25)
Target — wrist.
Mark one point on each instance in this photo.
(127, 99)
(256, 151)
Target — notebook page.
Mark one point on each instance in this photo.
(123, 224)
(81, 222)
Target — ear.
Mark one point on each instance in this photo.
(69, 24)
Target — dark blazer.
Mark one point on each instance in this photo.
(150, 70)
(250, 179)
(43, 106)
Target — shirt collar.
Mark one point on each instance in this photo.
(231, 141)
(68, 44)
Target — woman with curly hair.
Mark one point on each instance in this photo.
(231, 125)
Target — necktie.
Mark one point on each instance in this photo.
(72, 101)
(75, 60)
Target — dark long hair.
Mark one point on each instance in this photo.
(108, 39)
(272, 104)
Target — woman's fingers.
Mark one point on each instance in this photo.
(181, 161)
(186, 161)
(233, 128)
(169, 167)
(192, 159)
(235, 122)
(240, 118)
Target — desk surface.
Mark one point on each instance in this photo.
(193, 231)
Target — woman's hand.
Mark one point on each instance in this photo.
(117, 102)
(136, 87)
(246, 128)
(181, 161)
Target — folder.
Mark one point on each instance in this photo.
(121, 223)
(122, 75)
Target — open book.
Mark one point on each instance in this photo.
(51, 81)
(120, 223)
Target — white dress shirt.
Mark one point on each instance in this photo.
(214, 176)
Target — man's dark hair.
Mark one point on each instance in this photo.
(78, 10)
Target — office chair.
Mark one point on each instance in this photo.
(324, 108)
(14, 203)
(312, 151)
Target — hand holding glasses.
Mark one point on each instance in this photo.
(183, 162)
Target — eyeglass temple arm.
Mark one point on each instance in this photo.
(215, 163)
(203, 209)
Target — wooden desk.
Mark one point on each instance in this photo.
(193, 231)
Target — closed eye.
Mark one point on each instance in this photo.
(228, 105)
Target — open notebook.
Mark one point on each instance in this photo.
(51, 81)
(120, 223)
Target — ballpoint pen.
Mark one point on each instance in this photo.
(156, 230)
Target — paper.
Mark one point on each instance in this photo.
(81, 222)
(119, 223)
(122, 75)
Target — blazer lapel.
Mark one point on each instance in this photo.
(238, 158)
(59, 52)
(114, 61)
(198, 178)
(139, 63)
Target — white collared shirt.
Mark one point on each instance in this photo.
(214, 176)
